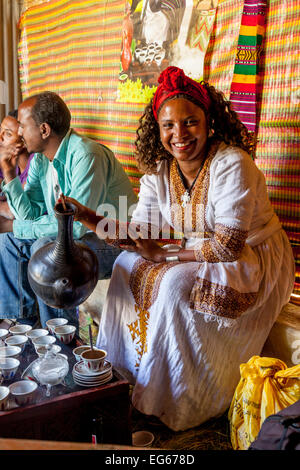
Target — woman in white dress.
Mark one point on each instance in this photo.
(179, 320)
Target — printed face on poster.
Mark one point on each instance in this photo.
(160, 33)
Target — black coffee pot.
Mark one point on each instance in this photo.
(63, 273)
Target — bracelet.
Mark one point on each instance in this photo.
(172, 248)
(172, 258)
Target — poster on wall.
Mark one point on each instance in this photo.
(160, 33)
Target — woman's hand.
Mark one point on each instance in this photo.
(81, 212)
(148, 249)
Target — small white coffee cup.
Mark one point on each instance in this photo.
(93, 359)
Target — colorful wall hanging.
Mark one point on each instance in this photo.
(277, 101)
(246, 81)
(278, 148)
(73, 47)
(160, 33)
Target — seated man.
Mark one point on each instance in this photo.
(9, 138)
(64, 162)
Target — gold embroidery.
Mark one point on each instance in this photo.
(226, 245)
(138, 330)
(191, 219)
(205, 253)
(215, 299)
(144, 283)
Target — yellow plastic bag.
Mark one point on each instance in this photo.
(266, 387)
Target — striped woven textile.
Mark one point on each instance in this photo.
(245, 84)
(73, 48)
(278, 134)
(221, 50)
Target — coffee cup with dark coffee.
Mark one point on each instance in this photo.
(93, 359)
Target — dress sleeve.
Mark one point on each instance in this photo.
(143, 218)
(233, 194)
(147, 214)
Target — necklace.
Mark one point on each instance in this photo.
(186, 197)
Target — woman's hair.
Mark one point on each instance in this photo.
(223, 122)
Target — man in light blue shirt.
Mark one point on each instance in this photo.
(64, 162)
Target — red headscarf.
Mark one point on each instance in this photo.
(173, 81)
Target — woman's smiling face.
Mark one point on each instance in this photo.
(183, 129)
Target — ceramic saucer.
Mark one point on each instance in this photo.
(81, 370)
(101, 381)
(91, 380)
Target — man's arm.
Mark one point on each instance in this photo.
(27, 203)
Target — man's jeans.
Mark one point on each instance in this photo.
(17, 300)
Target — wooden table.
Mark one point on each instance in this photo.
(29, 444)
(67, 414)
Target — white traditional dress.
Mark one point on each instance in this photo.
(180, 330)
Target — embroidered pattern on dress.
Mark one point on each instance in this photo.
(227, 245)
(144, 283)
(223, 245)
(224, 301)
(195, 210)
